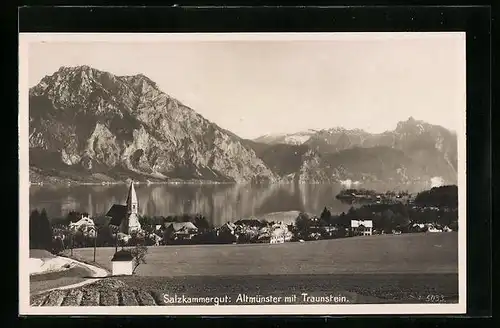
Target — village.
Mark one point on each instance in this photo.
(123, 226)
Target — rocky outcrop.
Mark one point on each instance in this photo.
(87, 121)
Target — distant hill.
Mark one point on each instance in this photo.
(439, 196)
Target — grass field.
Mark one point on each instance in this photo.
(390, 254)
(411, 268)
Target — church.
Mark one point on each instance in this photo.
(125, 216)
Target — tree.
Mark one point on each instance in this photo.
(34, 229)
(386, 220)
(453, 226)
(40, 230)
(326, 216)
(303, 225)
(147, 223)
(137, 238)
(201, 223)
(400, 222)
(139, 253)
(73, 216)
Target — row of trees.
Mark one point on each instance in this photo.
(385, 217)
(40, 230)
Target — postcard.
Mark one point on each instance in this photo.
(242, 173)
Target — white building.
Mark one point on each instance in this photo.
(434, 229)
(362, 227)
(85, 224)
(122, 263)
(280, 234)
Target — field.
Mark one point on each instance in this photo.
(411, 268)
(406, 253)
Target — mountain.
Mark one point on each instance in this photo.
(432, 150)
(88, 125)
(91, 125)
(297, 138)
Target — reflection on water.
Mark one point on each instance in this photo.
(219, 203)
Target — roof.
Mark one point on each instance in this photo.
(230, 225)
(82, 221)
(117, 213)
(176, 226)
(249, 222)
(365, 223)
(122, 255)
(132, 196)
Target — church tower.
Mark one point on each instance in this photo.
(132, 210)
(132, 203)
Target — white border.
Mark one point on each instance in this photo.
(24, 297)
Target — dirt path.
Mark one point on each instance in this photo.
(71, 282)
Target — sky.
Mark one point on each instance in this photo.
(257, 86)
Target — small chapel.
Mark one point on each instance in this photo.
(126, 216)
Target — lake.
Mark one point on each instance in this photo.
(218, 203)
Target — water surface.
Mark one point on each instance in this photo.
(218, 203)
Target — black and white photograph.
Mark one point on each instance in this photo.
(242, 173)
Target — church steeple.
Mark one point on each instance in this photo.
(132, 204)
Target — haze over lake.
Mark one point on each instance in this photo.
(218, 203)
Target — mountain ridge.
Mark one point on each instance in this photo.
(91, 125)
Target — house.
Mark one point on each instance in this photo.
(155, 239)
(446, 229)
(85, 225)
(180, 230)
(122, 263)
(280, 234)
(330, 229)
(361, 227)
(433, 229)
(227, 228)
(264, 238)
(125, 217)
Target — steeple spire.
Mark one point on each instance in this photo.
(132, 203)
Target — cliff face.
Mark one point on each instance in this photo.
(87, 123)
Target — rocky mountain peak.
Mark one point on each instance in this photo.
(93, 122)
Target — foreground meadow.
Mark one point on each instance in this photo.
(411, 268)
(406, 253)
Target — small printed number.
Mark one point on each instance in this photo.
(435, 298)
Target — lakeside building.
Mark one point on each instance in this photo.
(180, 230)
(361, 227)
(85, 225)
(125, 217)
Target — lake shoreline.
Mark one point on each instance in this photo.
(219, 203)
